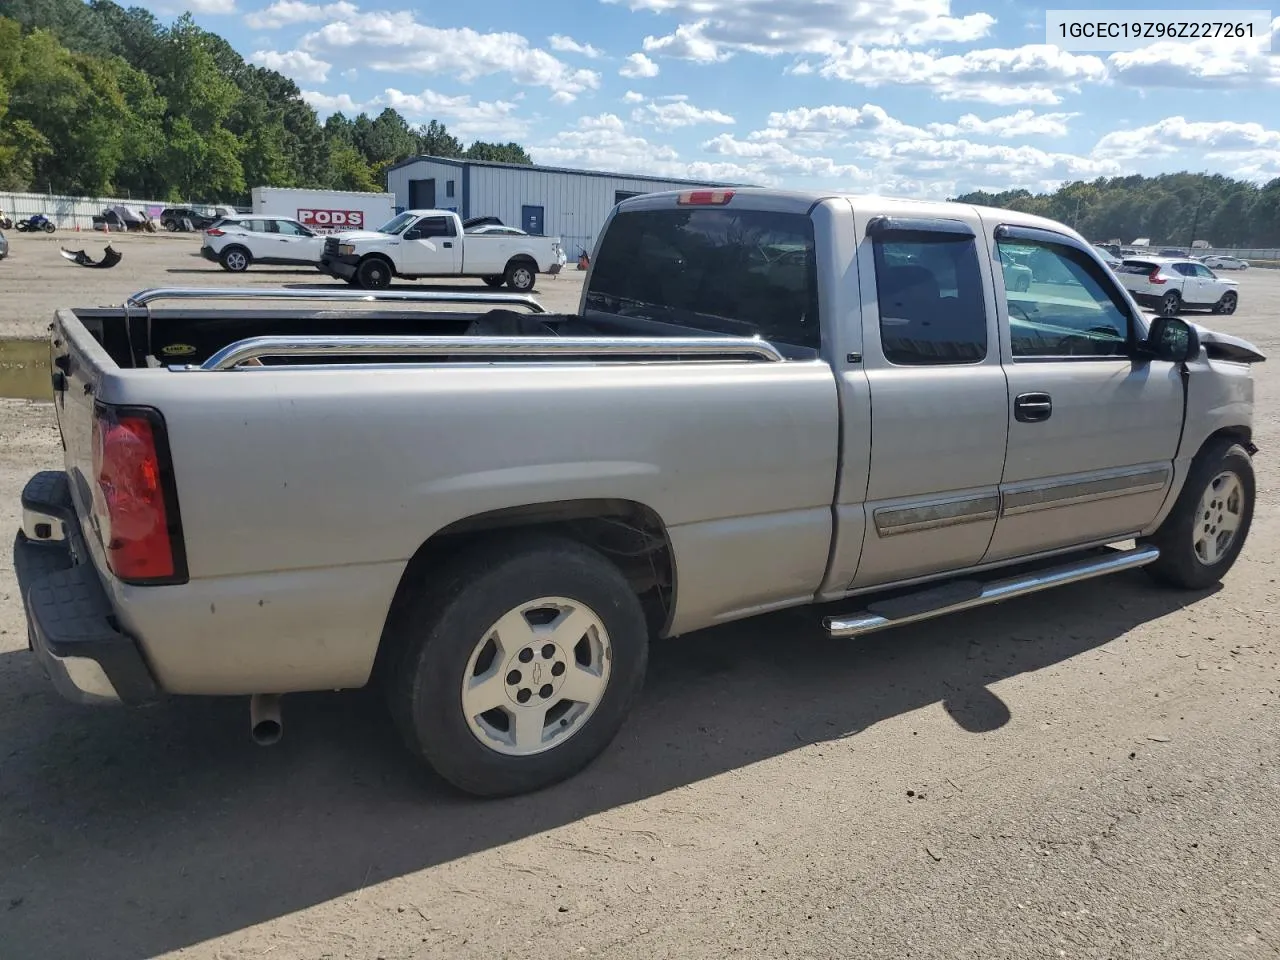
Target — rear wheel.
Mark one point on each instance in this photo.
(1204, 533)
(1170, 304)
(1228, 303)
(493, 281)
(521, 276)
(518, 668)
(235, 259)
(374, 274)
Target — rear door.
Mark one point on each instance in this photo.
(432, 248)
(938, 396)
(1093, 428)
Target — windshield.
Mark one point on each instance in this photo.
(397, 223)
(739, 272)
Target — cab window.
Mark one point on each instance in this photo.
(929, 287)
(1061, 304)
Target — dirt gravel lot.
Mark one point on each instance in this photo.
(1092, 772)
(35, 280)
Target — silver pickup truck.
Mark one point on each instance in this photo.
(766, 400)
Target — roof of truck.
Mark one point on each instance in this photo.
(905, 206)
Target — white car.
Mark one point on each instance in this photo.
(1225, 263)
(1172, 285)
(238, 242)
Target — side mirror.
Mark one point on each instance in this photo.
(1172, 339)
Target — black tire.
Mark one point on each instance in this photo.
(1180, 565)
(236, 259)
(493, 281)
(1230, 300)
(521, 275)
(433, 634)
(49, 227)
(374, 273)
(171, 226)
(1170, 304)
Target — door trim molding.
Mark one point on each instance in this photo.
(893, 521)
(1050, 494)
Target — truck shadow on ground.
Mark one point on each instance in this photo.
(127, 834)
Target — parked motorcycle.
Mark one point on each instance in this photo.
(35, 224)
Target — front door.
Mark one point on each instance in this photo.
(937, 397)
(1092, 430)
(297, 243)
(431, 248)
(531, 220)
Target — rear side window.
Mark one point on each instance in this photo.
(739, 272)
(929, 287)
(1137, 267)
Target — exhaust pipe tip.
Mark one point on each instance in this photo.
(265, 724)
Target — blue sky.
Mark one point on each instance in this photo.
(915, 97)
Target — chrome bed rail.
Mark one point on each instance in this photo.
(144, 298)
(478, 347)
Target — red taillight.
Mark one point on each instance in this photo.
(129, 498)
(1155, 277)
(214, 232)
(705, 198)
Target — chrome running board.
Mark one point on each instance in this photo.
(965, 594)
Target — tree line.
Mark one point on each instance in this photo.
(99, 100)
(1171, 209)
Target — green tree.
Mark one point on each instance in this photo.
(435, 141)
(510, 152)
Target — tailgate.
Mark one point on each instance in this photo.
(79, 364)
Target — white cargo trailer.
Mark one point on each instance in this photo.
(326, 211)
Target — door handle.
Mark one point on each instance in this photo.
(1032, 407)
(448, 244)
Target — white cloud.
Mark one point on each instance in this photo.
(1032, 74)
(632, 97)
(638, 66)
(1175, 134)
(714, 29)
(326, 103)
(297, 64)
(1206, 65)
(777, 158)
(562, 44)
(603, 143)
(397, 42)
(562, 97)
(687, 43)
(495, 119)
(677, 112)
(211, 6)
(282, 13)
(1023, 123)
(834, 122)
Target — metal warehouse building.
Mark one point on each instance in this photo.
(548, 201)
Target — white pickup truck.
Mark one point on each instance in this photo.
(434, 243)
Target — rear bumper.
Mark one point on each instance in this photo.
(208, 254)
(71, 627)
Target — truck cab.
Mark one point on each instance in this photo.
(435, 243)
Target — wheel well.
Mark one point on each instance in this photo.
(237, 246)
(1239, 434)
(522, 258)
(631, 535)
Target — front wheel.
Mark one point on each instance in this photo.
(521, 277)
(1228, 303)
(1203, 535)
(374, 274)
(519, 668)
